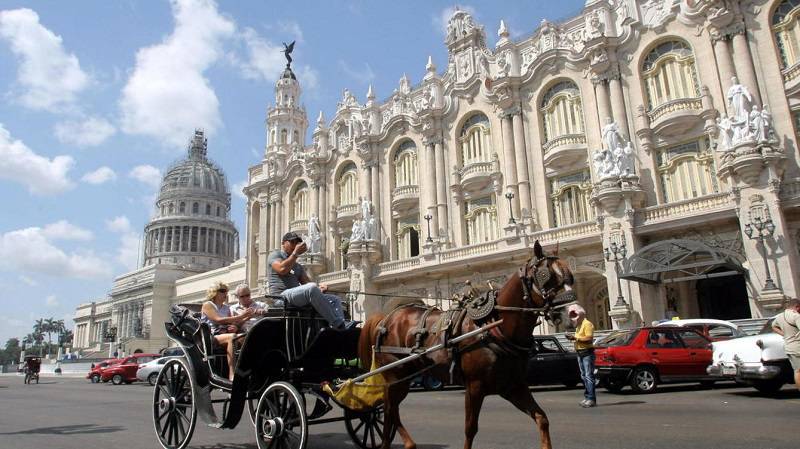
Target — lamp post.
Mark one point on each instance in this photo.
(762, 229)
(428, 218)
(615, 253)
(510, 196)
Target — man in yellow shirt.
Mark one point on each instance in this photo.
(584, 346)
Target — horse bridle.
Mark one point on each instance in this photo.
(537, 282)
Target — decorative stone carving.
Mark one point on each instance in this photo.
(617, 158)
(739, 100)
(655, 12)
(594, 26)
(314, 234)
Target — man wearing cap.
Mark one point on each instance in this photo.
(584, 346)
(289, 279)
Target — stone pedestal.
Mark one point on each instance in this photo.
(362, 255)
(315, 263)
(622, 317)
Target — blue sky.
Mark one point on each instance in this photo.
(97, 98)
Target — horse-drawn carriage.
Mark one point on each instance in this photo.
(283, 361)
(33, 365)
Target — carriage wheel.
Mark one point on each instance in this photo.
(174, 411)
(281, 421)
(252, 405)
(366, 428)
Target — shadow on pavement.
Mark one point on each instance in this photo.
(611, 404)
(672, 388)
(784, 394)
(68, 430)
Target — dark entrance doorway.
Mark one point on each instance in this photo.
(723, 298)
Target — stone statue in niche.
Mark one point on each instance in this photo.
(357, 232)
(739, 100)
(724, 134)
(594, 26)
(314, 234)
(483, 65)
(504, 64)
(611, 136)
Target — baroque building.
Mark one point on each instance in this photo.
(651, 143)
(190, 233)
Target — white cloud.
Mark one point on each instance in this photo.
(29, 250)
(51, 301)
(90, 132)
(265, 59)
(28, 281)
(41, 176)
(64, 230)
(237, 189)
(119, 224)
(49, 76)
(147, 174)
(363, 76)
(167, 96)
(100, 176)
(128, 253)
(440, 20)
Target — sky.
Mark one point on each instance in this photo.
(98, 98)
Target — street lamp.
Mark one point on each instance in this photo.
(763, 229)
(615, 254)
(509, 196)
(428, 218)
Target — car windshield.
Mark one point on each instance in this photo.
(618, 338)
(767, 329)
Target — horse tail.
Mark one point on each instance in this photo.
(367, 339)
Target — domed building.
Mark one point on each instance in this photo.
(192, 226)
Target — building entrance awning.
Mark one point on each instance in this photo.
(677, 261)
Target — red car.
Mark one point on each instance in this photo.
(125, 371)
(646, 357)
(97, 369)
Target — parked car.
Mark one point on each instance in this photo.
(125, 371)
(96, 371)
(549, 363)
(758, 360)
(646, 357)
(149, 371)
(714, 330)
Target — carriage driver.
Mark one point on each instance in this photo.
(288, 278)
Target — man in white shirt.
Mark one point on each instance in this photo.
(787, 323)
(258, 308)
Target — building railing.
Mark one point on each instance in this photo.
(471, 250)
(790, 73)
(346, 210)
(398, 265)
(790, 189)
(567, 139)
(476, 168)
(334, 276)
(681, 104)
(298, 225)
(409, 190)
(566, 233)
(686, 207)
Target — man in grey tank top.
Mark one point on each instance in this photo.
(288, 278)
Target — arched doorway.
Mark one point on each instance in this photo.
(723, 298)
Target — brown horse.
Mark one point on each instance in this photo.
(492, 363)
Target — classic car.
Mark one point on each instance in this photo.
(714, 330)
(758, 360)
(549, 363)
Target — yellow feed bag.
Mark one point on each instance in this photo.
(359, 396)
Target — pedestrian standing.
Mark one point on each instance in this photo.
(787, 323)
(584, 346)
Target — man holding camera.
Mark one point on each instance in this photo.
(288, 278)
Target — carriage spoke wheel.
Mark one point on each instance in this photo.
(366, 428)
(174, 410)
(281, 421)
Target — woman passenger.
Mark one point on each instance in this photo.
(224, 325)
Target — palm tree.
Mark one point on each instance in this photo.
(49, 328)
(39, 329)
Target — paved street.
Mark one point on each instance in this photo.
(71, 413)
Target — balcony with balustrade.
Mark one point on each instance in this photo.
(405, 198)
(563, 151)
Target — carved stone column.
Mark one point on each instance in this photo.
(603, 103)
(521, 153)
(263, 244)
(361, 257)
(509, 159)
(743, 61)
(429, 183)
(441, 187)
(618, 104)
(724, 62)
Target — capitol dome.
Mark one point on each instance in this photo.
(192, 225)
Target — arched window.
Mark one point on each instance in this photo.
(182, 208)
(171, 208)
(296, 137)
(570, 199)
(407, 238)
(405, 164)
(300, 200)
(481, 219)
(195, 208)
(687, 171)
(786, 26)
(284, 135)
(208, 209)
(562, 114)
(669, 74)
(272, 136)
(474, 140)
(348, 186)
(218, 212)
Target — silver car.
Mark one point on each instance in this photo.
(149, 371)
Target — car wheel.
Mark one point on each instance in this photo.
(151, 379)
(614, 385)
(95, 378)
(768, 386)
(644, 380)
(116, 379)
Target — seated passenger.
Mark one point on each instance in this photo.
(246, 303)
(224, 325)
(289, 279)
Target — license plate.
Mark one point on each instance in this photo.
(728, 370)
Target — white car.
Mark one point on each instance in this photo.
(149, 371)
(759, 360)
(714, 330)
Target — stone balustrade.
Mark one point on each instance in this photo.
(334, 276)
(567, 233)
(397, 265)
(681, 104)
(298, 225)
(471, 250)
(681, 209)
(567, 139)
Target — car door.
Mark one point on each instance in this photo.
(550, 361)
(129, 367)
(666, 352)
(699, 351)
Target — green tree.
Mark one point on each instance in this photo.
(10, 354)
